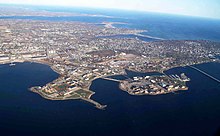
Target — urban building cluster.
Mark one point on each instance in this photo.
(82, 52)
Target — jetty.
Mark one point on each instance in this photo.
(203, 72)
(97, 105)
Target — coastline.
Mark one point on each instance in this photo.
(88, 99)
(149, 94)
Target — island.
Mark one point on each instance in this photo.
(154, 85)
(80, 53)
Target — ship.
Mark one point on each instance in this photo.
(12, 64)
(184, 77)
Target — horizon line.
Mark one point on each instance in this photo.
(105, 8)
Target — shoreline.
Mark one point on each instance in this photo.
(149, 94)
(88, 99)
(97, 105)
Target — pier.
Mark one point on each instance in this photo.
(215, 79)
(97, 105)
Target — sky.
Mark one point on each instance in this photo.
(202, 8)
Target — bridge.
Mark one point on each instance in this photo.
(111, 79)
(147, 36)
(215, 79)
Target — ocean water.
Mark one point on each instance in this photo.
(193, 112)
(147, 39)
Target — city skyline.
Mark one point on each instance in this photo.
(202, 8)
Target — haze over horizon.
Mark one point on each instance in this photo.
(201, 8)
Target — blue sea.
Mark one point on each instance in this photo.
(188, 113)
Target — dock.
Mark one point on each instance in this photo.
(213, 78)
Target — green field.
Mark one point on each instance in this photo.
(83, 93)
